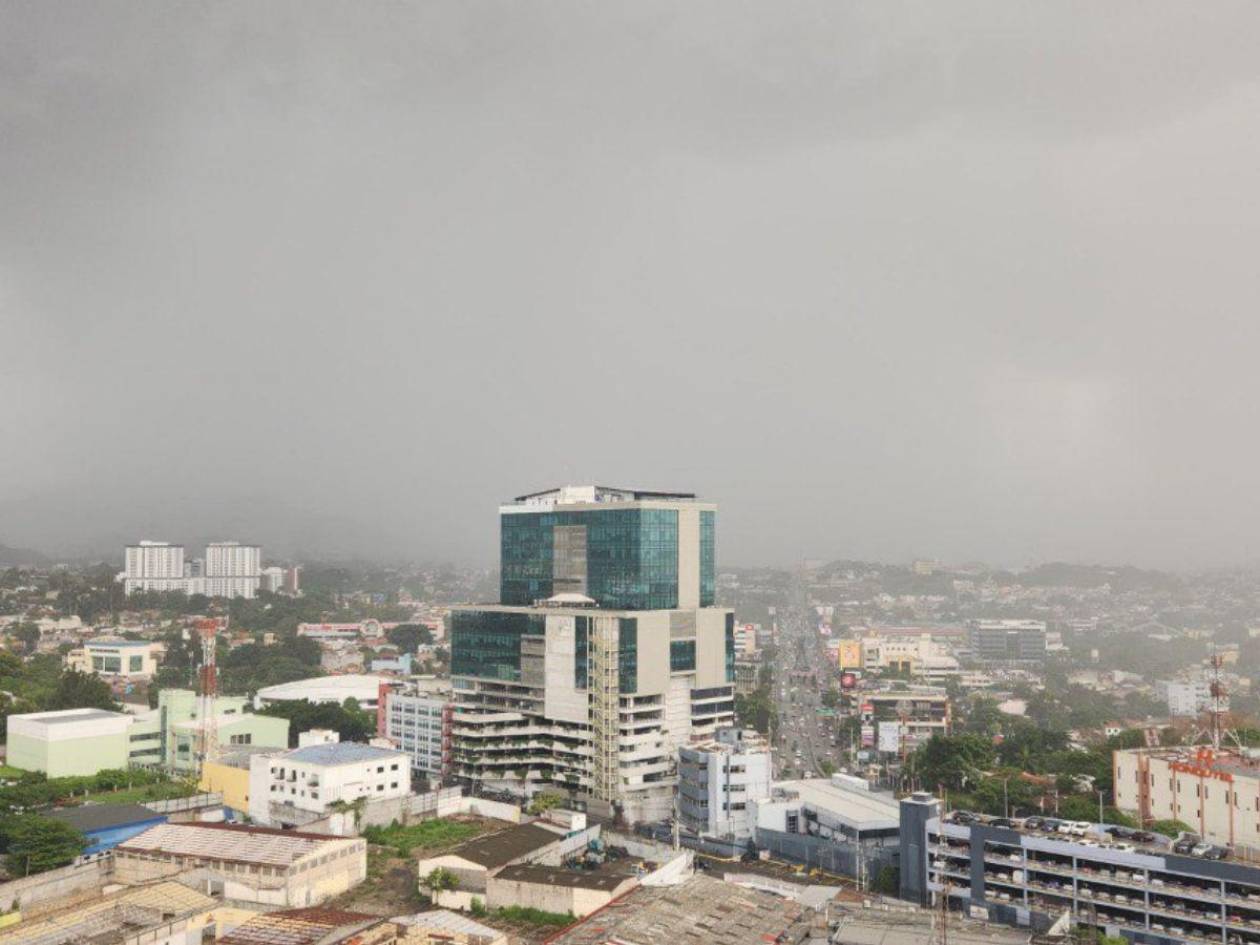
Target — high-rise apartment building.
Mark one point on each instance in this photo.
(229, 569)
(232, 569)
(152, 566)
(606, 654)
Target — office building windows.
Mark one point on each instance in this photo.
(730, 647)
(628, 654)
(487, 643)
(581, 644)
(682, 656)
(708, 576)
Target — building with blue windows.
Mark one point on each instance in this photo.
(605, 654)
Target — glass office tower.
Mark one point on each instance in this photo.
(605, 653)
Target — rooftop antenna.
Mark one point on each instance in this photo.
(207, 729)
(1218, 699)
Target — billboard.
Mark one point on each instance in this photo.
(868, 736)
(890, 737)
(848, 680)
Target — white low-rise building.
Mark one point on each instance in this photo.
(363, 688)
(128, 659)
(717, 781)
(295, 787)
(840, 807)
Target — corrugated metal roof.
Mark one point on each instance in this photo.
(229, 844)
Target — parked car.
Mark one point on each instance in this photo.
(1217, 853)
(1185, 846)
(1079, 828)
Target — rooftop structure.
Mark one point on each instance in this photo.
(441, 925)
(701, 911)
(1109, 878)
(340, 753)
(228, 844)
(554, 889)
(586, 495)
(1216, 792)
(361, 687)
(113, 920)
(252, 864)
(297, 787)
(107, 825)
(299, 927)
(475, 861)
(719, 778)
(912, 926)
(506, 846)
(68, 742)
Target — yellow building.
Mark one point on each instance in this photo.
(229, 776)
(849, 654)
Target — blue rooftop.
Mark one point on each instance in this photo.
(340, 753)
(115, 643)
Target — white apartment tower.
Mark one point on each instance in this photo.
(230, 569)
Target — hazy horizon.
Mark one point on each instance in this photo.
(884, 280)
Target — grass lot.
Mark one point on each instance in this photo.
(164, 791)
(428, 835)
(8, 773)
(524, 915)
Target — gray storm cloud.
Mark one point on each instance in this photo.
(967, 280)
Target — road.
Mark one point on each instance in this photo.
(804, 741)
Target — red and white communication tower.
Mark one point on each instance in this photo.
(207, 728)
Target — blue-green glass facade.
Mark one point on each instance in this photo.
(708, 569)
(682, 656)
(631, 556)
(487, 643)
(628, 654)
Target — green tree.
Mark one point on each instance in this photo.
(28, 635)
(352, 724)
(408, 636)
(952, 761)
(439, 880)
(887, 881)
(77, 690)
(34, 844)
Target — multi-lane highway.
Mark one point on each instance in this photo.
(804, 740)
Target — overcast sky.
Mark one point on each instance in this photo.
(885, 280)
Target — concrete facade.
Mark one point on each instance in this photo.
(123, 659)
(1217, 793)
(67, 743)
(292, 787)
(719, 779)
(556, 890)
(281, 868)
